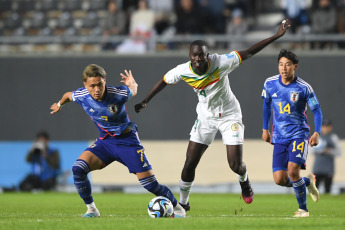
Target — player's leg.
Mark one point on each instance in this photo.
(234, 154)
(300, 189)
(201, 136)
(149, 182)
(280, 165)
(193, 156)
(86, 163)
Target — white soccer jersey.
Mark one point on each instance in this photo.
(213, 88)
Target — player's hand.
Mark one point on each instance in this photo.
(284, 26)
(55, 108)
(139, 107)
(128, 79)
(314, 139)
(266, 136)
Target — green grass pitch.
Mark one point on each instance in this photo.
(129, 211)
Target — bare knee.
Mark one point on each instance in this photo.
(280, 181)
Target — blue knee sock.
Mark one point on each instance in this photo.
(151, 184)
(307, 181)
(80, 170)
(301, 193)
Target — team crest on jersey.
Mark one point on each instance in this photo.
(235, 127)
(112, 108)
(294, 96)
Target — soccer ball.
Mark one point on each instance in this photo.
(160, 206)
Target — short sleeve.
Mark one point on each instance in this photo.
(173, 76)
(230, 61)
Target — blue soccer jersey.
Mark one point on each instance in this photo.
(289, 105)
(109, 115)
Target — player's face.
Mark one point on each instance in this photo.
(286, 68)
(199, 58)
(96, 87)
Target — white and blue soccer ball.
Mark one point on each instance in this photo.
(160, 206)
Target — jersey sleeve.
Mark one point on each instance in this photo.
(173, 76)
(77, 95)
(265, 94)
(230, 61)
(123, 92)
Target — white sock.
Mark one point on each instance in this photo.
(243, 178)
(185, 188)
(91, 207)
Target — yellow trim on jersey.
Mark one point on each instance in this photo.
(201, 83)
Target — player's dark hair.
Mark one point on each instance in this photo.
(289, 55)
(43, 134)
(198, 43)
(93, 70)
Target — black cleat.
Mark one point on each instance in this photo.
(247, 191)
(185, 206)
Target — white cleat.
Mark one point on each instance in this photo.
(301, 213)
(179, 212)
(314, 193)
(91, 214)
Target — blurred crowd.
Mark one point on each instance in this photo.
(142, 20)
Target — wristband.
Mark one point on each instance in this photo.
(59, 105)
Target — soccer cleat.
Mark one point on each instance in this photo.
(179, 211)
(314, 193)
(301, 213)
(91, 214)
(247, 191)
(185, 206)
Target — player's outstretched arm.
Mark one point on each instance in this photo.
(56, 107)
(129, 81)
(245, 54)
(156, 89)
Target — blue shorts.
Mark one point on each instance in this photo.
(125, 148)
(295, 151)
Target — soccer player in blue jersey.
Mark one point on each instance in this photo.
(287, 96)
(118, 139)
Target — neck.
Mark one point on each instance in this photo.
(288, 80)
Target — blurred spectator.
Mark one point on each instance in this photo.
(114, 24)
(189, 20)
(163, 14)
(45, 163)
(141, 30)
(325, 153)
(323, 21)
(341, 22)
(237, 27)
(214, 22)
(296, 12)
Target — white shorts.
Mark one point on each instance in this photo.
(204, 131)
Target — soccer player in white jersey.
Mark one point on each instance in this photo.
(287, 95)
(218, 108)
(118, 139)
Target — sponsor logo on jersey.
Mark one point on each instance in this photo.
(113, 108)
(236, 134)
(275, 95)
(235, 127)
(294, 96)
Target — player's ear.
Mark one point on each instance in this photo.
(84, 83)
(296, 66)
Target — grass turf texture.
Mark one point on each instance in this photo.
(129, 211)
